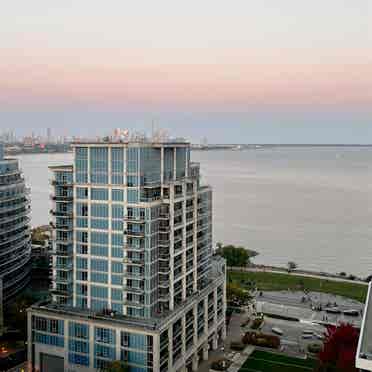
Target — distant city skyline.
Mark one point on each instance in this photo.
(289, 128)
(259, 71)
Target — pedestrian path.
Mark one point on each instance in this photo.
(239, 359)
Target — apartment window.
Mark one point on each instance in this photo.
(99, 223)
(98, 305)
(49, 339)
(82, 289)
(116, 294)
(82, 209)
(117, 252)
(132, 196)
(117, 239)
(99, 165)
(78, 359)
(132, 181)
(104, 335)
(81, 164)
(116, 267)
(99, 265)
(118, 195)
(116, 279)
(98, 291)
(99, 210)
(81, 302)
(117, 211)
(99, 250)
(81, 248)
(81, 263)
(99, 194)
(78, 330)
(82, 275)
(82, 222)
(117, 166)
(78, 346)
(117, 225)
(81, 236)
(99, 238)
(82, 192)
(98, 277)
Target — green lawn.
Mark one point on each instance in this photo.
(276, 282)
(263, 361)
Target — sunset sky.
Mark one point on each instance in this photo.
(233, 71)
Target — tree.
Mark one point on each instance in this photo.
(233, 292)
(235, 256)
(116, 366)
(291, 265)
(339, 349)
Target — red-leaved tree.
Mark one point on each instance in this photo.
(339, 349)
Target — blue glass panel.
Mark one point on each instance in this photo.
(99, 210)
(98, 277)
(132, 196)
(82, 360)
(118, 195)
(78, 330)
(98, 305)
(99, 194)
(98, 291)
(99, 250)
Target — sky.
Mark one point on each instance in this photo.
(252, 71)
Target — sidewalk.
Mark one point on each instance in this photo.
(233, 333)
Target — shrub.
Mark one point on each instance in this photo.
(314, 348)
(257, 323)
(237, 346)
(220, 365)
(245, 323)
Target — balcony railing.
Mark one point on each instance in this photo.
(140, 234)
(61, 213)
(134, 219)
(16, 226)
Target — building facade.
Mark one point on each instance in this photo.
(134, 278)
(15, 235)
(363, 358)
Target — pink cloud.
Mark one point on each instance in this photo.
(289, 80)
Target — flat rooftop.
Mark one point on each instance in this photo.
(134, 142)
(155, 323)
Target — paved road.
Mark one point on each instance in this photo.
(295, 273)
(289, 303)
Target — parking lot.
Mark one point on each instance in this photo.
(311, 324)
(306, 307)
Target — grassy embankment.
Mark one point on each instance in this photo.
(266, 281)
(269, 362)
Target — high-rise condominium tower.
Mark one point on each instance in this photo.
(15, 246)
(134, 278)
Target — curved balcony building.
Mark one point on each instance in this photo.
(15, 246)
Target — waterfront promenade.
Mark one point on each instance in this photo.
(306, 274)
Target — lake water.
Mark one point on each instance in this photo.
(308, 205)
